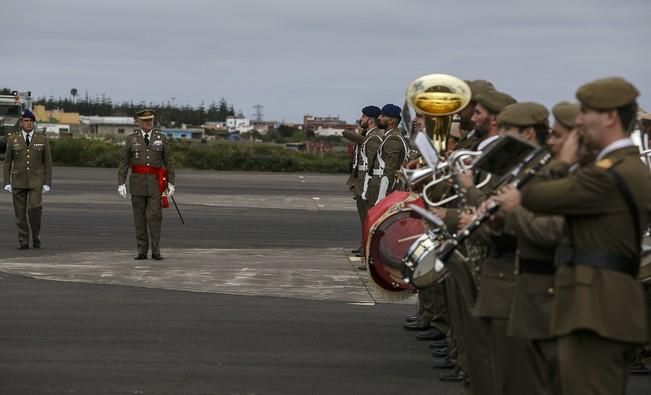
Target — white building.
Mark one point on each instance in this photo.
(238, 125)
(53, 130)
(320, 131)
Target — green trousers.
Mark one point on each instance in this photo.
(28, 201)
(148, 217)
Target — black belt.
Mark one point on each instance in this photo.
(597, 259)
(536, 266)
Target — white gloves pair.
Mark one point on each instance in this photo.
(122, 190)
(46, 188)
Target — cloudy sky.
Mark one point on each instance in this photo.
(318, 57)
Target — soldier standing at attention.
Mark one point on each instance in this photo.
(147, 154)
(391, 155)
(365, 150)
(599, 312)
(28, 174)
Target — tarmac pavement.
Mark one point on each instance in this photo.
(257, 294)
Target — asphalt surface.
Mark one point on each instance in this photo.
(257, 295)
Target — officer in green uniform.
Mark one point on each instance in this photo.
(392, 153)
(27, 175)
(599, 311)
(147, 154)
(538, 236)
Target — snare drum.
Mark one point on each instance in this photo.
(419, 266)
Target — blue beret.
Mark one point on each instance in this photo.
(391, 111)
(371, 111)
(28, 114)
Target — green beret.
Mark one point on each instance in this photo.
(565, 113)
(494, 101)
(607, 93)
(479, 86)
(523, 114)
(145, 114)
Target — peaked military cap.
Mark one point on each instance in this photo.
(371, 111)
(391, 111)
(145, 114)
(479, 86)
(523, 114)
(494, 101)
(28, 114)
(607, 93)
(565, 113)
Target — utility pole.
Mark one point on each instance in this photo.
(258, 112)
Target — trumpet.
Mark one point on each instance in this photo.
(460, 161)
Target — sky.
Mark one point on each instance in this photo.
(325, 58)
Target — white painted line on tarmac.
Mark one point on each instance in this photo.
(362, 303)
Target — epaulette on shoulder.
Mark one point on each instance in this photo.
(604, 164)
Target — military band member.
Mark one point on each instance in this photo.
(538, 236)
(392, 153)
(599, 308)
(367, 155)
(27, 175)
(365, 151)
(147, 154)
(470, 138)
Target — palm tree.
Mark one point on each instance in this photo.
(73, 92)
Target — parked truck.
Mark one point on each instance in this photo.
(11, 106)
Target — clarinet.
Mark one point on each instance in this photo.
(451, 245)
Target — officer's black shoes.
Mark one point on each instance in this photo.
(23, 246)
(157, 257)
(417, 325)
(443, 363)
(430, 334)
(140, 257)
(412, 318)
(454, 376)
(357, 250)
(441, 352)
(439, 343)
(639, 369)
(37, 243)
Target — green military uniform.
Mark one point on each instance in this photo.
(368, 153)
(538, 236)
(144, 188)
(386, 166)
(599, 307)
(27, 168)
(355, 179)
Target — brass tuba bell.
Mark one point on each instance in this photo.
(438, 97)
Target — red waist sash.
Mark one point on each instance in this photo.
(161, 173)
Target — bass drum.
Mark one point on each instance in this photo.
(390, 229)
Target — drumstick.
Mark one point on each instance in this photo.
(409, 238)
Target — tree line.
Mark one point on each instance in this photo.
(166, 113)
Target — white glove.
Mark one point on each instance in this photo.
(8, 187)
(46, 188)
(122, 190)
(170, 190)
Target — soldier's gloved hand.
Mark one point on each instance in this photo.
(8, 187)
(46, 188)
(122, 190)
(170, 190)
